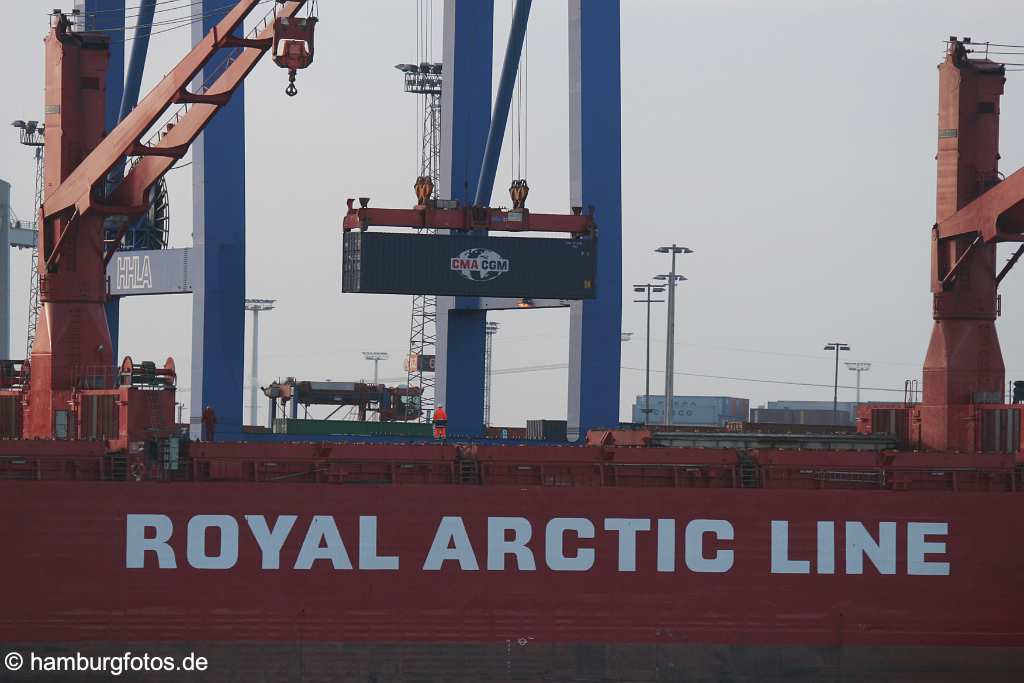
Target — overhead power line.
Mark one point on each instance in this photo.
(170, 24)
(160, 4)
(769, 381)
(758, 380)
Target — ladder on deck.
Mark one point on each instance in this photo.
(117, 467)
(749, 471)
(468, 470)
(159, 430)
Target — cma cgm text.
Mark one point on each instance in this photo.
(564, 544)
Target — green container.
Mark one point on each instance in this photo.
(346, 427)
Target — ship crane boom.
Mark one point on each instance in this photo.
(76, 193)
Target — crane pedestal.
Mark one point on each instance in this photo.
(963, 369)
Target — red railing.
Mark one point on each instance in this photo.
(24, 465)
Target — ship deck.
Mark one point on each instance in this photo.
(727, 461)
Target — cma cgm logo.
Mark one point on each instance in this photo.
(134, 272)
(479, 264)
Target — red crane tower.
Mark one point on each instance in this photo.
(976, 208)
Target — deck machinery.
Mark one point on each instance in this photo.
(391, 404)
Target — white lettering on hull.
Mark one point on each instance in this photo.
(567, 544)
(876, 544)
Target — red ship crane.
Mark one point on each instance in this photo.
(976, 208)
(71, 361)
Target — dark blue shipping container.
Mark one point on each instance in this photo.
(469, 265)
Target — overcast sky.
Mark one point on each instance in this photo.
(790, 144)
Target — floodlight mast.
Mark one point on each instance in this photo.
(647, 290)
(858, 368)
(490, 330)
(256, 306)
(837, 347)
(30, 133)
(670, 335)
(376, 357)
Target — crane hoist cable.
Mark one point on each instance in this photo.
(519, 189)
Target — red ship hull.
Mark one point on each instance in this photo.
(595, 583)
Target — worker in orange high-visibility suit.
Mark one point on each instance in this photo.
(209, 420)
(440, 424)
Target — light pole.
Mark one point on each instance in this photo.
(256, 305)
(837, 347)
(858, 368)
(648, 290)
(30, 134)
(670, 336)
(5, 271)
(490, 330)
(424, 81)
(376, 357)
